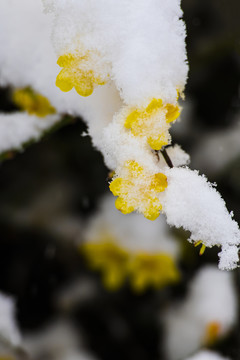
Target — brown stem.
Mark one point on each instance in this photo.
(157, 154)
(167, 158)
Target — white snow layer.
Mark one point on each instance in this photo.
(132, 232)
(18, 128)
(146, 54)
(59, 340)
(211, 300)
(207, 355)
(191, 202)
(117, 32)
(27, 58)
(8, 328)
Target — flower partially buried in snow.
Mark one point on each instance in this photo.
(153, 122)
(138, 189)
(32, 102)
(78, 72)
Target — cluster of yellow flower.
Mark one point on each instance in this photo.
(142, 269)
(138, 190)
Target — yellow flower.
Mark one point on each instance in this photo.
(138, 190)
(76, 73)
(212, 333)
(32, 102)
(153, 122)
(116, 264)
(110, 259)
(155, 270)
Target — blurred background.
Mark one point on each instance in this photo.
(50, 190)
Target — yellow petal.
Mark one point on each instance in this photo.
(147, 269)
(63, 82)
(84, 86)
(116, 185)
(66, 60)
(173, 112)
(139, 282)
(43, 106)
(131, 119)
(159, 182)
(155, 104)
(113, 278)
(123, 206)
(152, 212)
(157, 143)
(33, 102)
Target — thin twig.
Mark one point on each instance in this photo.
(156, 152)
(167, 158)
